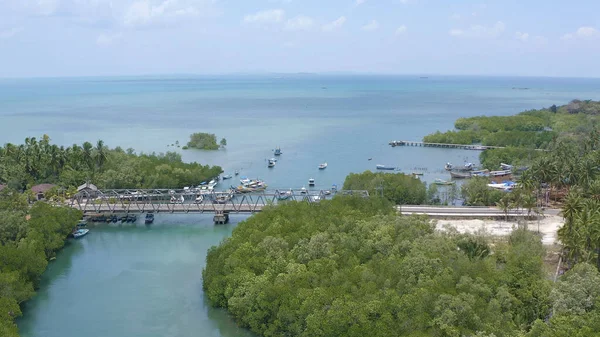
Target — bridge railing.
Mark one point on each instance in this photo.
(198, 201)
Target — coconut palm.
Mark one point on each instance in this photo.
(100, 153)
(505, 205)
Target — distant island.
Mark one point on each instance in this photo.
(204, 141)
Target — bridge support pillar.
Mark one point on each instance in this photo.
(221, 218)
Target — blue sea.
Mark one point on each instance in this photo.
(341, 120)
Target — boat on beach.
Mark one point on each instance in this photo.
(322, 166)
(385, 167)
(501, 173)
(504, 186)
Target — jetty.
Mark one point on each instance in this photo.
(395, 143)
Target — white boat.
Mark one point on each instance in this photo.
(227, 176)
(500, 173)
(271, 163)
(212, 184)
(284, 195)
(80, 232)
(303, 190)
(506, 166)
(504, 186)
(199, 199)
(322, 166)
(311, 182)
(315, 198)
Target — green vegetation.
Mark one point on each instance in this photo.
(398, 188)
(522, 133)
(349, 267)
(477, 193)
(25, 248)
(204, 141)
(35, 162)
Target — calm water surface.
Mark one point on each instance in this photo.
(124, 281)
(147, 281)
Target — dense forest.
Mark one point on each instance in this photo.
(522, 134)
(398, 188)
(36, 162)
(350, 267)
(29, 237)
(204, 141)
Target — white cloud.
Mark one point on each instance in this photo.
(9, 33)
(266, 16)
(584, 32)
(144, 12)
(360, 2)
(335, 24)
(104, 40)
(401, 30)
(522, 36)
(300, 22)
(479, 31)
(371, 26)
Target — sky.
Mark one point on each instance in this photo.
(40, 38)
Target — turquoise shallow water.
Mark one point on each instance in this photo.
(138, 281)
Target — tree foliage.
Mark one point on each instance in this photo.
(204, 141)
(398, 188)
(347, 267)
(28, 238)
(36, 162)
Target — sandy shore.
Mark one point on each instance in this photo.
(547, 226)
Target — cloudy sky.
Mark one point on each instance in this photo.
(128, 37)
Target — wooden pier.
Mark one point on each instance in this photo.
(395, 143)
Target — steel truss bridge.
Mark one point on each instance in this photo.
(189, 201)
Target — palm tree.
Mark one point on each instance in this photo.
(505, 205)
(87, 155)
(100, 154)
(529, 203)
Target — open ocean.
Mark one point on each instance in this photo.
(139, 280)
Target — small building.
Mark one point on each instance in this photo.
(88, 189)
(41, 189)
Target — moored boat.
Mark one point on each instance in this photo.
(385, 167)
(500, 173)
(222, 198)
(322, 166)
(249, 186)
(199, 199)
(227, 176)
(80, 232)
(271, 163)
(443, 182)
(459, 175)
(284, 195)
(311, 182)
(465, 167)
(149, 218)
(277, 151)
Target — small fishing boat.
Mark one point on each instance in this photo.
(370, 159)
(327, 192)
(443, 182)
(311, 182)
(236, 172)
(149, 218)
(322, 166)
(212, 184)
(222, 198)
(465, 167)
(284, 195)
(500, 173)
(480, 173)
(384, 167)
(334, 188)
(80, 232)
(277, 151)
(459, 175)
(199, 199)
(504, 186)
(271, 163)
(303, 190)
(227, 176)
